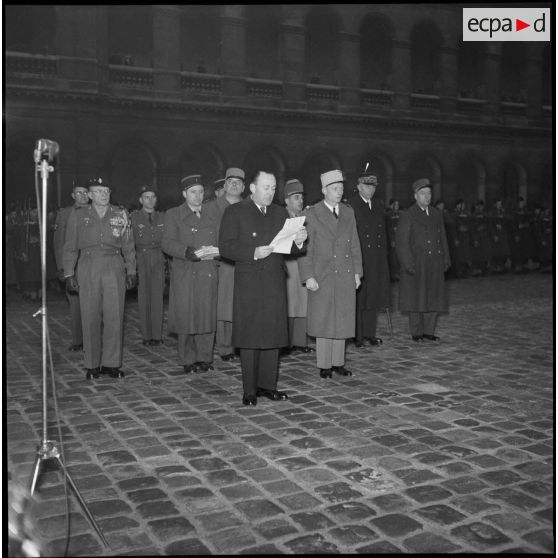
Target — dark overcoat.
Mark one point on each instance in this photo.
(260, 291)
(422, 247)
(333, 258)
(371, 227)
(193, 282)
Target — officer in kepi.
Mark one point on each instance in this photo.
(148, 226)
(100, 263)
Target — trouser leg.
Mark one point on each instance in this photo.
(75, 318)
(186, 349)
(268, 369)
(204, 347)
(429, 320)
(90, 300)
(297, 332)
(144, 288)
(114, 292)
(223, 338)
(249, 359)
(324, 353)
(337, 352)
(416, 324)
(157, 291)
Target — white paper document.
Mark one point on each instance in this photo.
(283, 241)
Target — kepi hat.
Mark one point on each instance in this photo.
(97, 182)
(147, 188)
(218, 184)
(331, 177)
(293, 186)
(234, 172)
(192, 180)
(420, 183)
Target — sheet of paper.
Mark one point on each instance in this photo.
(283, 241)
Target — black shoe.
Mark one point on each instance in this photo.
(146, 342)
(417, 338)
(376, 341)
(272, 394)
(156, 342)
(205, 366)
(359, 344)
(92, 373)
(190, 368)
(249, 400)
(303, 349)
(341, 370)
(431, 337)
(325, 372)
(74, 348)
(112, 371)
(228, 357)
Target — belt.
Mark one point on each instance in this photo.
(99, 252)
(147, 248)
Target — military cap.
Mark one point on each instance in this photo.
(331, 177)
(218, 184)
(146, 188)
(368, 179)
(421, 183)
(192, 180)
(293, 186)
(97, 182)
(234, 172)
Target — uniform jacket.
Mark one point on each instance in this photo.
(260, 291)
(59, 237)
(422, 247)
(87, 232)
(147, 234)
(193, 282)
(226, 272)
(371, 226)
(333, 258)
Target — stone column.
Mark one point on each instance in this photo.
(233, 59)
(492, 80)
(349, 69)
(292, 62)
(401, 53)
(448, 78)
(166, 48)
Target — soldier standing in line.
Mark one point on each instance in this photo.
(297, 295)
(80, 195)
(374, 293)
(499, 235)
(520, 237)
(462, 240)
(100, 262)
(392, 220)
(190, 237)
(233, 187)
(480, 240)
(148, 226)
(423, 252)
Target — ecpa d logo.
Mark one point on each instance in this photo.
(506, 24)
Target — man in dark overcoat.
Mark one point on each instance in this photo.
(260, 291)
(423, 252)
(332, 271)
(190, 238)
(374, 292)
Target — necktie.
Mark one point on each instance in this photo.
(262, 209)
(370, 205)
(198, 214)
(150, 215)
(335, 212)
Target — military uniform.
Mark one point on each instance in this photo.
(59, 239)
(480, 242)
(499, 234)
(148, 231)
(392, 221)
(103, 249)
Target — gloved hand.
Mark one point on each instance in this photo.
(60, 275)
(72, 286)
(410, 271)
(130, 282)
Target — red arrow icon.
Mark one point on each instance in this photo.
(519, 25)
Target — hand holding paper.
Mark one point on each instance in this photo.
(283, 241)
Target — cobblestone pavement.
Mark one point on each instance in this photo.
(428, 448)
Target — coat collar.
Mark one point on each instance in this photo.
(324, 215)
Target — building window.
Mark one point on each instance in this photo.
(470, 67)
(376, 35)
(513, 72)
(426, 43)
(30, 29)
(130, 35)
(322, 46)
(201, 39)
(262, 41)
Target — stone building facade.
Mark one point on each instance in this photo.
(145, 94)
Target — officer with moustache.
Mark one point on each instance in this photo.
(148, 226)
(100, 262)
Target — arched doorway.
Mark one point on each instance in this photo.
(203, 159)
(470, 180)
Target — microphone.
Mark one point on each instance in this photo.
(46, 149)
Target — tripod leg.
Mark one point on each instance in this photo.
(35, 477)
(82, 502)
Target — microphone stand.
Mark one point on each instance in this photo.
(48, 448)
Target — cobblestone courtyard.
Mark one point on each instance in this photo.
(427, 448)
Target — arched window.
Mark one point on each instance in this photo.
(514, 72)
(470, 68)
(204, 159)
(513, 182)
(322, 46)
(426, 42)
(262, 41)
(130, 35)
(30, 29)
(132, 165)
(376, 36)
(470, 180)
(201, 39)
(310, 172)
(547, 75)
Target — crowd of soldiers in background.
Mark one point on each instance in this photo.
(481, 241)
